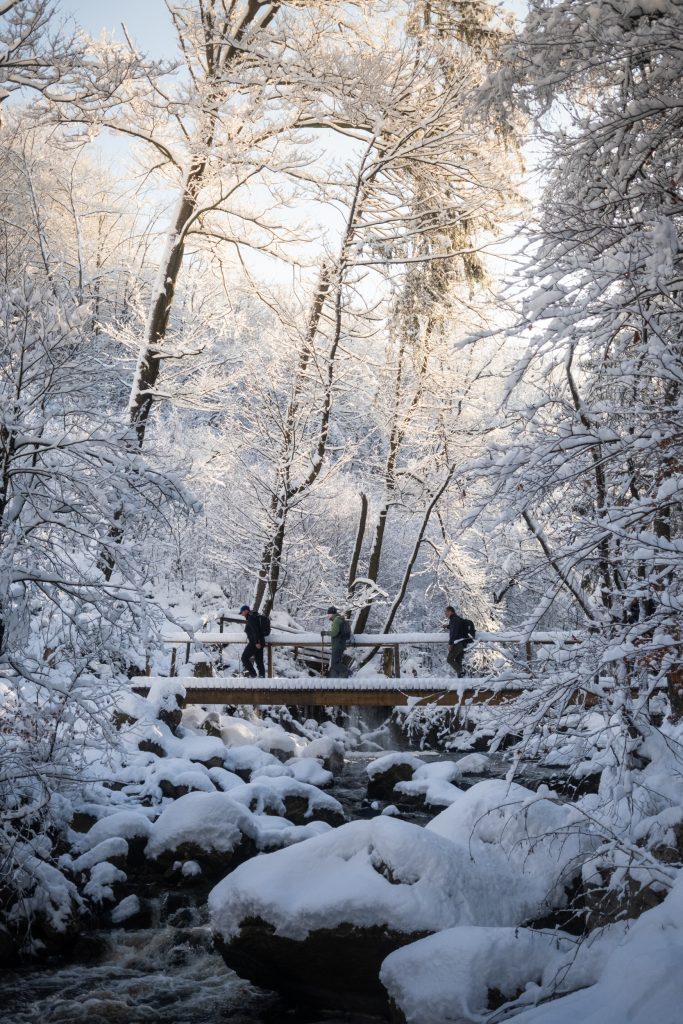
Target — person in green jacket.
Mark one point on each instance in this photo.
(339, 639)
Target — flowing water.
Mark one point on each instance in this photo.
(168, 973)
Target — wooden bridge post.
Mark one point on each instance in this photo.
(397, 662)
(174, 651)
(270, 660)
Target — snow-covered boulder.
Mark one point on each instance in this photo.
(129, 825)
(544, 841)
(211, 829)
(174, 777)
(281, 744)
(317, 919)
(244, 760)
(296, 801)
(631, 974)
(167, 698)
(328, 750)
(431, 784)
(50, 907)
(461, 975)
(385, 772)
(309, 770)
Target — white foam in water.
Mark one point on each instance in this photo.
(154, 976)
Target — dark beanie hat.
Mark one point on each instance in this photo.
(331, 610)
(244, 608)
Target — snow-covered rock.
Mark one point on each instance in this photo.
(130, 825)
(247, 759)
(328, 750)
(173, 777)
(431, 784)
(384, 772)
(639, 980)
(309, 770)
(317, 919)
(460, 975)
(545, 841)
(210, 828)
(296, 801)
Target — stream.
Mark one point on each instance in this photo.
(168, 973)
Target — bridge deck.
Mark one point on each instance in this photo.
(374, 691)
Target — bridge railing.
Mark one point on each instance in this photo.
(317, 645)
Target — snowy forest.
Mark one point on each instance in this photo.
(369, 305)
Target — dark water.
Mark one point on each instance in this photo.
(168, 974)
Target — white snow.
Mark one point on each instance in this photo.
(124, 910)
(447, 976)
(641, 981)
(388, 761)
(379, 872)
(541, 838)
(128, 824)
(309, 770)
(212, 821)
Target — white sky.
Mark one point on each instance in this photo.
(149, 25)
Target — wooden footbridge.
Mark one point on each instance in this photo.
(364, 690)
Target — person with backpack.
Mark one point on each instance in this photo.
(340, 634)
(257, 628)
(461, 633)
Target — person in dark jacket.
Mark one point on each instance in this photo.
(337, 669)
(460, 634)
(253, 652)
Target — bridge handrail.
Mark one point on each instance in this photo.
(282, 638)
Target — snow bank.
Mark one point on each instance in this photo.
(641, 981)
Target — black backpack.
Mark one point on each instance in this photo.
(470, 632)
(265, 624)
(345, 632)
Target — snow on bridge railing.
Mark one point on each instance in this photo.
(281, 637)
(312, 644)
